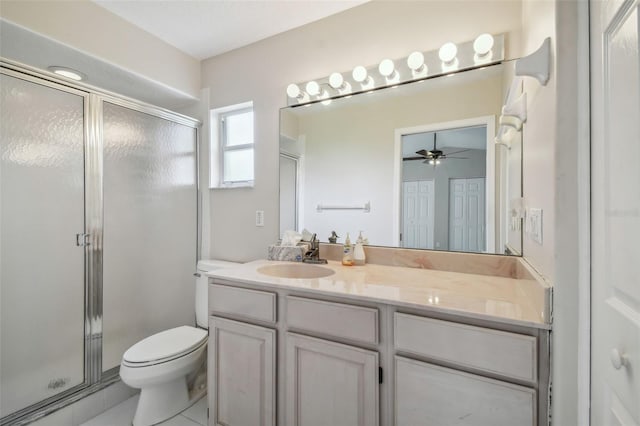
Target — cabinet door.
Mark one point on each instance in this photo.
(330, 383)
(428, 395)
(242, 368)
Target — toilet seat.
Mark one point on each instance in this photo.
(165, 346)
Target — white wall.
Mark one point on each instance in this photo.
(85, 26)
(539, 136)
(362, 35)
(556, 174)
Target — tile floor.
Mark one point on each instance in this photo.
(122, 415)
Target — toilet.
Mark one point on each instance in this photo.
(169, 367)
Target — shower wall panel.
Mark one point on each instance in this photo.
(150, 215)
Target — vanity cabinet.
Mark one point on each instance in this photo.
(298, 358)
(330, 383)
(242, 374)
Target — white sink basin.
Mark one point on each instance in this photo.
(295, 271)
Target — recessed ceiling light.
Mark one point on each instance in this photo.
(68, 73)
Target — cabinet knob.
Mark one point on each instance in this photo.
(617, 360)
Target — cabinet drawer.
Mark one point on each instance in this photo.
(430, 395)
(242, 302)
(498, 352)
(333, 319)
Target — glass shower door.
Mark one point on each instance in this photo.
(42, 269)
(150, 228)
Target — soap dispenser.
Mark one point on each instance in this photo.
(347, 252)
(359, 257)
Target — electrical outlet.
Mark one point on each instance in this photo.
(259, 217)
(534, 222)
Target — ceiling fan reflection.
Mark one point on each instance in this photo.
(435, 155)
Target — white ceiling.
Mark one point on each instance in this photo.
(206, 28)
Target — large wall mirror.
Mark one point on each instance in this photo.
(412, 166)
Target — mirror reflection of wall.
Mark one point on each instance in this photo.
(350, 154)
(513, 203)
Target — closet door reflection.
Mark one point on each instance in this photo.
(42, 282)
(150, 214)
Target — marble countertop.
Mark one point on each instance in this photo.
(505, 300)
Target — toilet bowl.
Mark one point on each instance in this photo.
(166, 366)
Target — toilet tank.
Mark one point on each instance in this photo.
(202, 288)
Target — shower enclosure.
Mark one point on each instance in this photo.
(98, 243)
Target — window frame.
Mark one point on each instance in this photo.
(219, 146)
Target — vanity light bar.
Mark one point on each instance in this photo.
(486, 49)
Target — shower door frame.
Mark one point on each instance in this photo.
(93, 98)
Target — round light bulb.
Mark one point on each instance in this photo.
(293, 91)
(313, 88)
(437, 161)
(448, 52)
(359, 74)
(386, 68)
(432, 162)
(415, 61)
(336, 80)
(483, 44)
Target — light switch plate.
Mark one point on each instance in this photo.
(259, 217)
(534, 222)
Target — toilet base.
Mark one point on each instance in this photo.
(159, 403)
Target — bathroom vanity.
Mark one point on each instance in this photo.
(298, 345)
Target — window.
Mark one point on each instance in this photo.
(232, 158)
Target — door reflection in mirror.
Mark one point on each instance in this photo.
(450, 166)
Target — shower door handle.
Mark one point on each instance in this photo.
(82, 240)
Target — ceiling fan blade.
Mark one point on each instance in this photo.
(423, 152)
(457, 152)
(412, 158)
(455, 158)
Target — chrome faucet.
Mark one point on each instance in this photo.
(313, 255)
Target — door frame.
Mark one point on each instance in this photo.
(489, 121)
(297, 158)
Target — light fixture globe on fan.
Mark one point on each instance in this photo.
(435, 155)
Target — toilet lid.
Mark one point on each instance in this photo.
(166, 344)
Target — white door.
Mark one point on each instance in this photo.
(242, 368)
(330, 383)
(418, 214)
(615, 213)
(467, 215)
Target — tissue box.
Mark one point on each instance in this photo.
(290, 254)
